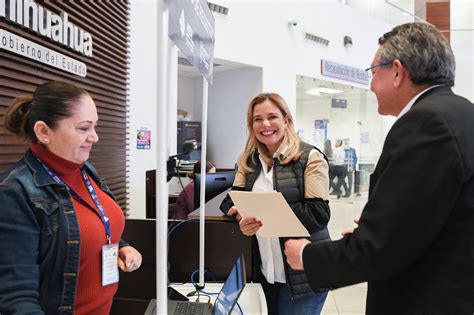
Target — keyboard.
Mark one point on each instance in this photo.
(184, 308)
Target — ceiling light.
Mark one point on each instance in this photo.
(313, 92)
(319, 90)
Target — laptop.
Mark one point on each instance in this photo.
(224, 303)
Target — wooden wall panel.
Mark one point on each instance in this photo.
(106, 81)
(436, 12)
(439, 14)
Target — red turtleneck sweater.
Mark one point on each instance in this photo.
(91, 296)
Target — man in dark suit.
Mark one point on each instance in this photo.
(415, 240)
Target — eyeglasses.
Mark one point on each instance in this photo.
(382, 64)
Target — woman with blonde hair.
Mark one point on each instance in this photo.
(275, 159)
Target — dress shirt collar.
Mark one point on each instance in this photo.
(280, 153)
(413, 100)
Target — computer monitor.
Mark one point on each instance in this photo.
(216, 183)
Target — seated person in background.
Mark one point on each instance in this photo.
(185, 201)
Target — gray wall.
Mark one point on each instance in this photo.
(228, 99)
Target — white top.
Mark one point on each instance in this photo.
(272, 259)
(339, 156)
(413, 100)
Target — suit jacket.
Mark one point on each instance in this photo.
(415, 241)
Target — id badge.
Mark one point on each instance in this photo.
(110, 272)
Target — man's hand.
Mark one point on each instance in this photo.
(351, 230)
(293, 250)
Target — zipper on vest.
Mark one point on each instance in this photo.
(276, 163)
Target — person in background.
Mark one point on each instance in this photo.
(274, 158)
(58, 218)
(415, 240)
(185, 201)
(328, 152)
(339, 170)
(351, 163)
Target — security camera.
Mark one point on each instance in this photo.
(293, 23)
(347, 41)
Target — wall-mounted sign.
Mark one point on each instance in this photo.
(364, 137)
(343, 72)
(338, 103)
(56, 27)
(191, 28)
(300, 133)
(24, 47)
(320, 131)
(143, 139)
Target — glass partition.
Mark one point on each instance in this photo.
(327, 110)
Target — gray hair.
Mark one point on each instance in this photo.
(423, 50)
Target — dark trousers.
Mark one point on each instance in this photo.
(338, 171)
(272, 293)
(350, 179)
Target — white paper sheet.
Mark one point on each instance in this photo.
(212, 207)
(272, 209)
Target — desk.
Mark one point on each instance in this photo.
(224, 243)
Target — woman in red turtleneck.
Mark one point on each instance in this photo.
(67, 245)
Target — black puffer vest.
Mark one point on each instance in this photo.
(289, 180)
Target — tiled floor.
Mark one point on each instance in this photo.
(348, 300)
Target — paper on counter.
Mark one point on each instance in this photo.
(272, 209)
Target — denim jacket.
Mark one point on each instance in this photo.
(39, 241)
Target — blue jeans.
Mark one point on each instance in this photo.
(279, 303)
(310, 305)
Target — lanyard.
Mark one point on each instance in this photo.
(85, 177)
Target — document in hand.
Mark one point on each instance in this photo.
(272, 209)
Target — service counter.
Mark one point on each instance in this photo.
(223, 244)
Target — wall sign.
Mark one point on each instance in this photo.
(143, 139)
(338, 103)
(24, 47)
(343, 72)
(191, 28)
(364, 137)
(320, 131)
(56, 27)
